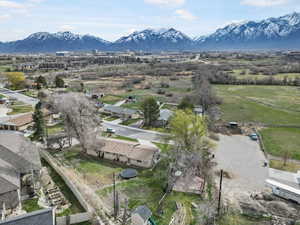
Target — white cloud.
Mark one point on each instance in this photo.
(166, 2)
(11, 5)
(66, 27)
(184, 14)
(4, 17)
(264, 3)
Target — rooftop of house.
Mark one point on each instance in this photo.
(119, 110)
(40, 217)
(165, 114)
(143, 211)
(17, 155)
(131, 150)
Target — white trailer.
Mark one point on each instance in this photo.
(284, 191)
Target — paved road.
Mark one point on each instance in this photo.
(134, 132)
(22, 98)
(243, 158)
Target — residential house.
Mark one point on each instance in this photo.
(40, 217)
(164, 117)
(18, 158)
(20, 122)
(141, 216)
(121, 112)
(125, 152)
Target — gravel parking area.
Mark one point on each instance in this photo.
(243, 159)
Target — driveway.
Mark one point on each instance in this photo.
(134, 132)
(22, 98)
(242, 158)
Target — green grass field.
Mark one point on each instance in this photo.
(290, 166)
(279, 140)
(265, 104)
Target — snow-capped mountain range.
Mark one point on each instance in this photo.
(272, 33)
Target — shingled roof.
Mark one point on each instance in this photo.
(17, 155)
(41, 217)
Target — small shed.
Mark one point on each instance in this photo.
(141, 215)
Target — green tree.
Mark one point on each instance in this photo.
(39, 123)
(41, 81)
(150, 110)
(186, 103)
(59, 82)
(187, 128)
(16, 79)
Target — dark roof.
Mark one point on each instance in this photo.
(129, 173)
(41, 217)
(119, 110)
(144, 212)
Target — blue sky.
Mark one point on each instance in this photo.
(111, 19)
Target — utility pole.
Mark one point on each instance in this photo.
(125, 213)
(220, 192)
(114, 195)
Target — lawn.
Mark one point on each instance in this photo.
(17, 109)
(95, 171)
(111, 99)
(290, 166)
(4, 68)
(31, 205)
(130, 121)
(236, 219)
(76, 206)
(124, 138)
(279, 140)
(58, 128)
(148, 189)
(265, 104)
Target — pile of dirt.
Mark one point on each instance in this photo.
(267, 205)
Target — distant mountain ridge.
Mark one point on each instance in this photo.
(280, 33)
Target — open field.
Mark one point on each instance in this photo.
(280, 140)
(264, 104)
(247, 75)
(290, 166)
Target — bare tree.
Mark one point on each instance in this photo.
(80, 115)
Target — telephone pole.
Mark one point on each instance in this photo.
(220, 192)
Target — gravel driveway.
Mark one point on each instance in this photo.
(242, 158)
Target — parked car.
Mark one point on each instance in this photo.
(110, 130)
(253, 136)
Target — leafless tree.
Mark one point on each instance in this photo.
(81, 119)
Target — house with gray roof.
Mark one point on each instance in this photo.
(164, 117)
(40, 217)
(119, 111)
(18, 157)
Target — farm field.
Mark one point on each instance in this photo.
(278, 141)
(263, 104)
(247, 75)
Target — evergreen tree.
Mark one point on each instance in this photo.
(41, 81)
(186, 103)
(150, 110)
(39, 123)
(59, 82)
